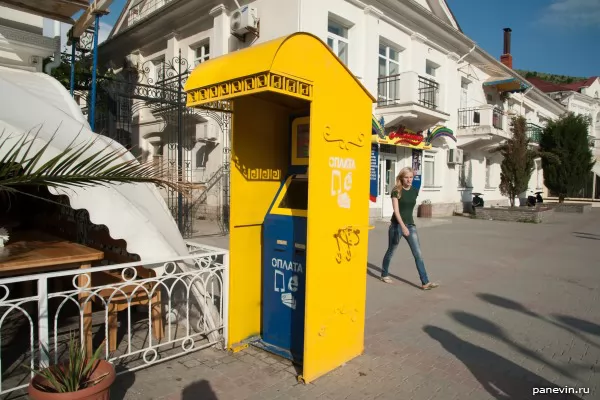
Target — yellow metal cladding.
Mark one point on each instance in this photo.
(338, 176)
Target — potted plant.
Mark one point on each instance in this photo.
(77, 378)
(425, 209)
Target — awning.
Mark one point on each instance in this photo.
(406, 138)
(59, 10)
(35, 103)
(507, 84)
(377, 127)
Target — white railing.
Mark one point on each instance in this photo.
(180, 308)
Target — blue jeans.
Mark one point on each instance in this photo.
(394, 236)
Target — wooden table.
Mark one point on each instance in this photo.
(30, 252)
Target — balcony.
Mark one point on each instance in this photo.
(534, 132)
(410, 96)
(484, 123)
(143, 9)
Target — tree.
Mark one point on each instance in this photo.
(518, 163)
(567, 140)
(74, 166)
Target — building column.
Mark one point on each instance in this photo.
(370, 71)
(220, 36)
(447, 102)
(172, 47)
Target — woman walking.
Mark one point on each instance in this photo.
(404, 198)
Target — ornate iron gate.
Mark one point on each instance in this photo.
(140, 97)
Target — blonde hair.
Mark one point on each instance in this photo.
(401, 175)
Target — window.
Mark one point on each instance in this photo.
(429, 169)
(488, 168)
(389, 70)
(337, 40)
(201, 53)
(430, 68)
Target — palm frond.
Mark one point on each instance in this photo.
(75, 166)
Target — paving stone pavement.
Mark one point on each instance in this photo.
(517, 310)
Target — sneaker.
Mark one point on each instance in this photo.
(430, 286)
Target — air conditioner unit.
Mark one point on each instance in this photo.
(244, 20)
(455, 156)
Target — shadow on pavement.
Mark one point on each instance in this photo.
(489, 328)
(580, 324)
(566, 323)
(501, 378)
(199, 390)
(586, 234)
(371, 268)
(122, 384)
(587, 237)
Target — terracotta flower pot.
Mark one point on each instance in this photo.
(100, 391)
(424, 211)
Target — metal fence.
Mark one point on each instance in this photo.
(141, 313)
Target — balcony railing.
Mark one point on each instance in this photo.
(470, 117)
(388, 90)
(142, 9)
(534, 132)
(428, 93)
(410, 89)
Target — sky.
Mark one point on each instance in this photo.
(552, 36)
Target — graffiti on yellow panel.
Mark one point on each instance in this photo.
(341, 312)
(346, 238)
(343, 143)
(257, 174)
(248, 84)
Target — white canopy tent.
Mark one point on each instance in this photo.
(36, 104)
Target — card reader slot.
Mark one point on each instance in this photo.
(281, 245)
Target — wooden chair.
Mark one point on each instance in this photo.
(119, 301)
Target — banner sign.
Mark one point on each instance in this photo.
(373, 192)
(417, 158)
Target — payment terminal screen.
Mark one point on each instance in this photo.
(296, 196)
(302, 139)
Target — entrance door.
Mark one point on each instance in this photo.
(387, 183)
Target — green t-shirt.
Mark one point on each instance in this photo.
(406, 205)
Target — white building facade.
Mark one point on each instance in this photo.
(23, 44)
(410, 54)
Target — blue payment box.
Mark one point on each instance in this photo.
(284, 269)
(284, 254)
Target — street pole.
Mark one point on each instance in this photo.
(94, 66)
(179, 147)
